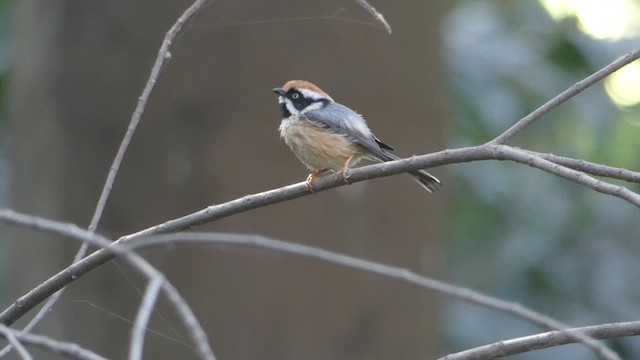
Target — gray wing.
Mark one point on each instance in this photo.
(342, 120)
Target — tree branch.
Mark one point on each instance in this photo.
(545, 340)
(591, 168)
(574, 90)
(509, 153)
(249, 202)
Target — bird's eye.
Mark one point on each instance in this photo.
(295, 95)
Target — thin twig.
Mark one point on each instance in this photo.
(545, 340)
(524, 157)
(70, 350)
(375, 13)
(591, 168)
(142, 319)
(405, 275)
(163, 55)
(574, 90)
(72, 231)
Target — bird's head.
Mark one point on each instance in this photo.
(298, 96)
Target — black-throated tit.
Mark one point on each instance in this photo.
(326, 135)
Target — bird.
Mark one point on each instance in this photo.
(328, 136)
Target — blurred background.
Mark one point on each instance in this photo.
(452, 74)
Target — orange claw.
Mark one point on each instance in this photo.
(345, 170)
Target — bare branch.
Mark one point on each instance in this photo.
(249, 202)
(142, 319)
(483, 152)
(524, 157)
(545, 340)
(70, 350)
(591, 168)
(74, 232)
(404, 275)
(574, 90)
(375, 13)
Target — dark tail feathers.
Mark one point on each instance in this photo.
(423, 178)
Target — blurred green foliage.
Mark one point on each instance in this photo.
(518, 233)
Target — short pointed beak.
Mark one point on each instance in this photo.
(280, 91)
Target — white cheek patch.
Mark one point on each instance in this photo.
(292, 109)
(315, 106)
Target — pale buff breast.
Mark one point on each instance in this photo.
(315, 147)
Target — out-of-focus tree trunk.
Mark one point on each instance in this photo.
(208, 136)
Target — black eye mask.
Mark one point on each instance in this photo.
(299, 102)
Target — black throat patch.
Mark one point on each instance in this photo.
(285, 112)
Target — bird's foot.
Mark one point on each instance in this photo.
(314, 175)
(345, 170)
(344, 173)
